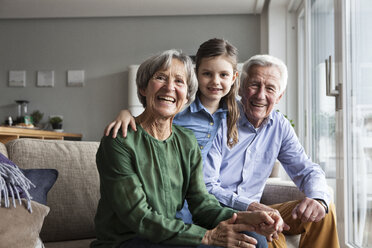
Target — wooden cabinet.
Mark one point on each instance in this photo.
(10, 133)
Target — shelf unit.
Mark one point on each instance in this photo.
(10, 133)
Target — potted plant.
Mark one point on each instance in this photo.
(290, 120)
(36, 116)
(56, 122)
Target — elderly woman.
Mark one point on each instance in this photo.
(146, 176)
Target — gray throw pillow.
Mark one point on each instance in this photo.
(43, 179)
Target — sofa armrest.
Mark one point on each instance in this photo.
(278, 191)
(3, 150)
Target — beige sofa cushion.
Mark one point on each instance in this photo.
(3, 149)
(74, 197)
(278, 191)
(18, 227)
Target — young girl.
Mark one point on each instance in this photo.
(216, 70)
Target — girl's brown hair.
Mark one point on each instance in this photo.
(219, 47)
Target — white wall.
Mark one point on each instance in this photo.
(104, 48)
(281, 42)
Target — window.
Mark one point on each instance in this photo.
(334, 36)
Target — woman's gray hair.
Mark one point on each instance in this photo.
(265, 60)
(163, 61)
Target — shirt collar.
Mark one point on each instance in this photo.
(243, 121)
(197, 106)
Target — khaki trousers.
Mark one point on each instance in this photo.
(322, 234)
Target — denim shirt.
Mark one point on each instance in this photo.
(204, 125)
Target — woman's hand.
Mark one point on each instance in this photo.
(228, 234)
(123, 120)
(280, 224)
(267, 223)
(272, 231)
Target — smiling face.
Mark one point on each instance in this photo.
(215, 76)
(260, 92)
(166, 92)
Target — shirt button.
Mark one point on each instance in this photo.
(201, 147)
(209, 135)
(211, 123)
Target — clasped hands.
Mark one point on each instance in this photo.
(228, 233)
(307, 210)
(261, 219)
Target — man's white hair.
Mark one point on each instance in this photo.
(265, 60)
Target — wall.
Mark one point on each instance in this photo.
(279, 38)
(104, 48)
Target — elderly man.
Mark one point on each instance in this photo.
(237, 176)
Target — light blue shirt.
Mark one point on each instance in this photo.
(237, 176)
(204, 125)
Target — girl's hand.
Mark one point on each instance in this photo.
(123, 120)
(228, 234)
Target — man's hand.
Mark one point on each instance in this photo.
(309, 210)
(267, 223)
(265, 229)
(254, 206)
(228, 234)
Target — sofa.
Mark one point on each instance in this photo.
(74, 196)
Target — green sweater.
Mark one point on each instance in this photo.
(144, 182)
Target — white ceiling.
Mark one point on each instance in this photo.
(107, 8)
